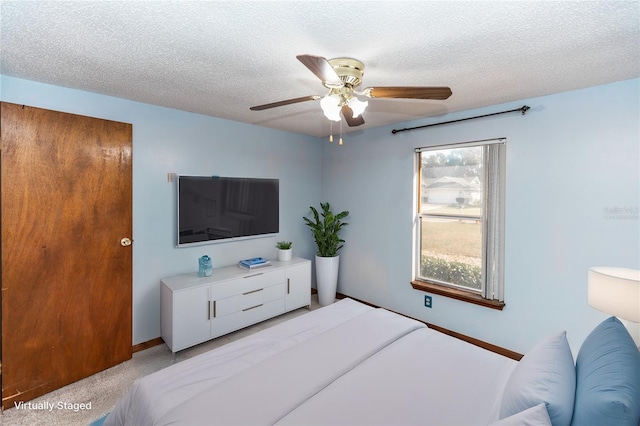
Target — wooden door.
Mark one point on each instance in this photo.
(66, 279)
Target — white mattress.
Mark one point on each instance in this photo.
(345, 364)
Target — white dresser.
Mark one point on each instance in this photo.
(194, 310)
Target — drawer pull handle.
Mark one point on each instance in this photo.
(252, 291)
(253, 275)
(253, 307)
(288, 285)
(214, 308)
(208, 310)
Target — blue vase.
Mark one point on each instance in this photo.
(205, 268)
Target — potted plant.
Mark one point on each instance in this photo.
(326, 230)
(284, 250)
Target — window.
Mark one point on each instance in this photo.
(460, 221)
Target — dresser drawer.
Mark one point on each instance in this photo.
(248, 300)
(235, 321)
(252, 280)
(195, 309)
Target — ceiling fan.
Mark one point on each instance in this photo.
(343, 76)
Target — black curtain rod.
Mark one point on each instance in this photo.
(523, 110)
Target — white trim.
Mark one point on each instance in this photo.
(460, 144)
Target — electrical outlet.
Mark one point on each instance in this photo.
(427, 301)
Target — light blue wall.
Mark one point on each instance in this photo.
(569, 159)
(572, 156)
(170, 141)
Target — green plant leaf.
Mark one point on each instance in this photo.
(325, 231)
(284, 245)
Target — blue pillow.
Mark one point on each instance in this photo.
(608, 378)
(546, 374)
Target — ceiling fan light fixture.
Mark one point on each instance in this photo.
(330, 105)
(343, 77)
(357, 106)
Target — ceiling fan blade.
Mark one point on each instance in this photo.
(439, 93)
(347, 112)
(321, 68)
(283, 103)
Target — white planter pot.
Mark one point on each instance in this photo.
(285, 255)
(327, 279)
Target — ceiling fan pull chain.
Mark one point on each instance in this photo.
(331, 131)
(340, 142)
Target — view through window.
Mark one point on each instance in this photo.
(460, 217)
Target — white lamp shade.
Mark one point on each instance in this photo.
(357, 106)
(615, 291)
(330, 105)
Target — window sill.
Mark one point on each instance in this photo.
(456, 294)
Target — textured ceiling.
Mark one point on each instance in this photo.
(220, 57)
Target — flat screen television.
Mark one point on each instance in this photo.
(217, 209)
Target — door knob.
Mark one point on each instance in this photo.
(125, 242)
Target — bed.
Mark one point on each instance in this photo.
(352, 364)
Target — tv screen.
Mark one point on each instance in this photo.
(214, 209)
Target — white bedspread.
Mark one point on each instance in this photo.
(152, 396)
(425, 378)
(264, 393)
(345, 364)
